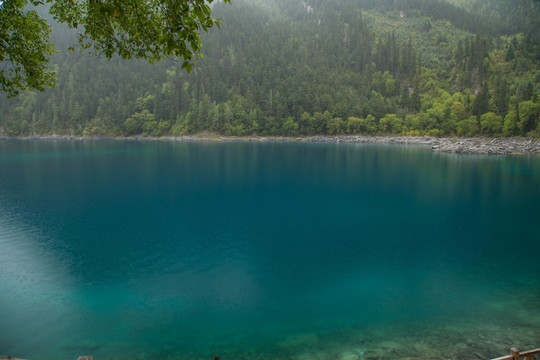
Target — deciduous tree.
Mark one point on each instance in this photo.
(147, 29)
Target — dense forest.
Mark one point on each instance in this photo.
(303, 67)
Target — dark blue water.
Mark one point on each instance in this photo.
(175, 250)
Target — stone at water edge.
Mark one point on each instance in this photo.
(3, 357)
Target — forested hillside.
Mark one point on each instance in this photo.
(301, 67)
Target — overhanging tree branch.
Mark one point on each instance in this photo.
(149, 29)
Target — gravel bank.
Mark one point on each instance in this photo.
(479, 146)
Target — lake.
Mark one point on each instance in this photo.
(175, 250)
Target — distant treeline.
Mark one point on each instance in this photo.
(313, 67)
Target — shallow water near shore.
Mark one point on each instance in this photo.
(170, 250)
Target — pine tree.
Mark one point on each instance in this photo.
(500, 96)
(481, 102)
(510, 53)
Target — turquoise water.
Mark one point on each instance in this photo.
(169, 250)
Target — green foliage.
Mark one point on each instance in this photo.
(147, 29)
(132, 127)
(529, 113)
(357, 125)
(491, 124)
(24, 49)
(506, 16)
(510, 123)
(235, 130)
(355, 71)
(468, 127)
(390, 124)
(481, 101)
(290, 127)
(335, 126)
(163, 128)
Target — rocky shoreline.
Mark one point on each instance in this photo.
(478, 146)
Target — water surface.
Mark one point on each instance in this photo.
(139, 250)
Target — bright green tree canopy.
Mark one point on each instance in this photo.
(24, 48)
(147, 29)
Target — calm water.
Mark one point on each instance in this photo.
(173, 250)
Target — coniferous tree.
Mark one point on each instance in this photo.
(481, 102)
(303, 68)
(500, 96)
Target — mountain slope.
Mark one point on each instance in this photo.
(306, 67)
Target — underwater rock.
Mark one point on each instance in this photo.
(85, 358)
(349, 355)
(302, 340)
